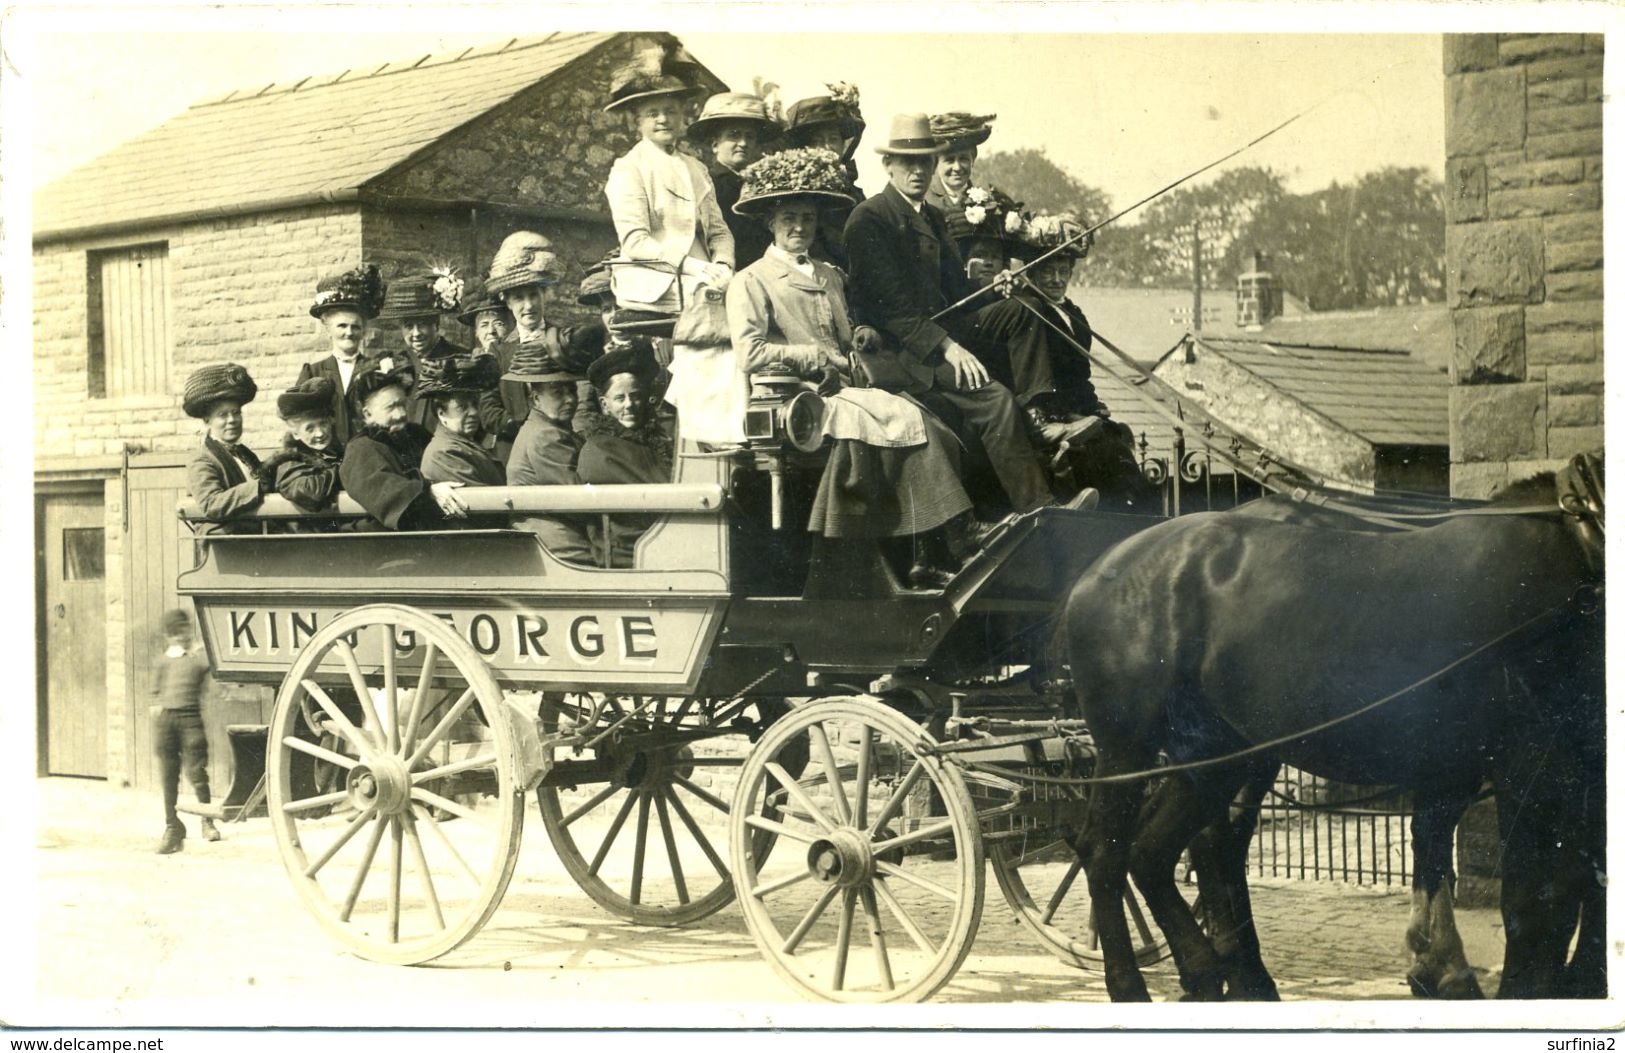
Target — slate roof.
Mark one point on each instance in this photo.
(272, 144)
(1424, 330)
(1388, 398)
(1146, 322)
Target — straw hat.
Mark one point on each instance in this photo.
(211, 384)
(524, 258)
(461, 375)
(477, 300)
(733, 106)
(426, 295)
(534, 362)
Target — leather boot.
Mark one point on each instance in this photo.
(174, 840)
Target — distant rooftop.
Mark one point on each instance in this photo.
(1388, 398)
(304, 140)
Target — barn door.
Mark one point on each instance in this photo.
(74, 571)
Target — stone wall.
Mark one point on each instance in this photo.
(550, 146)
(1269, 417)
(1523, 136)
(238, 291)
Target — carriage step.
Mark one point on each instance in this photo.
(245, 798)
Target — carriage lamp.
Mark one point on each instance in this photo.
(783, 416)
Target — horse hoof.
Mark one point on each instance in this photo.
(1460, 986)
(1424, 982)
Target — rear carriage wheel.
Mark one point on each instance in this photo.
(644, 832)
(405, 851)
(868, 896)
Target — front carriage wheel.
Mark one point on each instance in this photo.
(878, 836)
(411, 743)
(643, 828)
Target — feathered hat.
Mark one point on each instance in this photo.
(810, 173)
(663, 70)
(360, 289)
(961, 131)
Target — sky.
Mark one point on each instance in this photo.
(1127, 112)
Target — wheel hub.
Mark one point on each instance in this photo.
(382, 782)
(843, 858)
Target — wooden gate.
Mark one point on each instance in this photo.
(72, 564)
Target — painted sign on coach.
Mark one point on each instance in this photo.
(651, 643)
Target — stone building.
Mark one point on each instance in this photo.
(201, 241)
(1523, 247)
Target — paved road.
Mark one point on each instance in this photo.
(129, 935)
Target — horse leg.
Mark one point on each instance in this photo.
(1182, 806)
(1538, 917)
(1218, 854)
(1104, 848)
(1586, 974)
(1439, 967)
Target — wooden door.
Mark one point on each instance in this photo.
(73, 570)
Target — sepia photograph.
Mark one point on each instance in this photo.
(759, 516)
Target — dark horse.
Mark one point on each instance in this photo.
(1228, 631)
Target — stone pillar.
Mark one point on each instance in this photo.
(1523, 259)
(1523, 249)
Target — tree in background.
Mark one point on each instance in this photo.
(1376, 242)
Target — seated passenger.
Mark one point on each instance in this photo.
(381, 464)
(415, 302)
(455, 389)
(628, 446)
(224, 476)
(306, 469)
(892, 472)
(1035, 343)
(488, 318)
(547, 450)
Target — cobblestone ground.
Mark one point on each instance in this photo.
(128, 935)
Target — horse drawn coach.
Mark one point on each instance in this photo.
(882, 744)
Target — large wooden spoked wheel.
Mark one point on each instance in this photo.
(647, 838)
(874, 890)
(405, 844)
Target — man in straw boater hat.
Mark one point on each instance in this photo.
(415, 303)
(547, 450)
(457, 454)
(731, 131)
(382, 462)
(892, 472)
(672, 233)
(905, 269)
(224, 476)
(831, 122)
(627, 446)
(1034, 342)
(344, 304)
(306, 469)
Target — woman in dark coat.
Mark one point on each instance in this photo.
(457, 452)
(224, 476)
(381, 467)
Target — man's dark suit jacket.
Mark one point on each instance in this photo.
(346, 412)
(905, 268)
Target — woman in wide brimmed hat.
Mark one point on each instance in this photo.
(961, 134)
(732, 130)
(455, 391)
(416, 303)
(831, 122)
(662, 200)
(547, 449)
(344, 304)
(891, 472)
(223, 476)
(987, 231)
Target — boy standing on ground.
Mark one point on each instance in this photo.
(181, 742)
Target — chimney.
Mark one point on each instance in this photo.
(1258, 295)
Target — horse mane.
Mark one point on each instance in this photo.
(1536, 489)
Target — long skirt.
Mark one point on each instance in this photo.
(888, 491)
